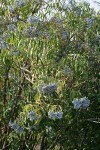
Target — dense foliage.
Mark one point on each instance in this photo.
(49, 75)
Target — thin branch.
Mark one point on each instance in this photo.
(26, 70)
(83, 139)
(5, 86)
(42, 147)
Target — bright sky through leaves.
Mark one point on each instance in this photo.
(93, 4)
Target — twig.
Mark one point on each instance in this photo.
(42, 147)
(5, 86)
(82, 142)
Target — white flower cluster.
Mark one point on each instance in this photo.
(64, 34)
(55, 115)
(32, 115)
(81, 103)
(12, 27)
(31, 32)
(11, 9)
(89, 22)
(15, 19)
(50, 88)
(32, 19)
(3, 44)
(68, 71)
(19, 3)
(16, 127)
(48, 129)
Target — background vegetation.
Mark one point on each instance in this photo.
(49, 59)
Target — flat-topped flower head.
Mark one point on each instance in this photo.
(77, 103)
(12, 27)
(11, 9)
(32, 115)
(81, 103)
(31, 32)
(85, 102)
(15, 19)
(68, 71)
(48, 129)
(32, 19)
(19, 3)
(64, 34)
(89, 22)
(50, 88)
(16, 127)
(55, 115)
(3, 44)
